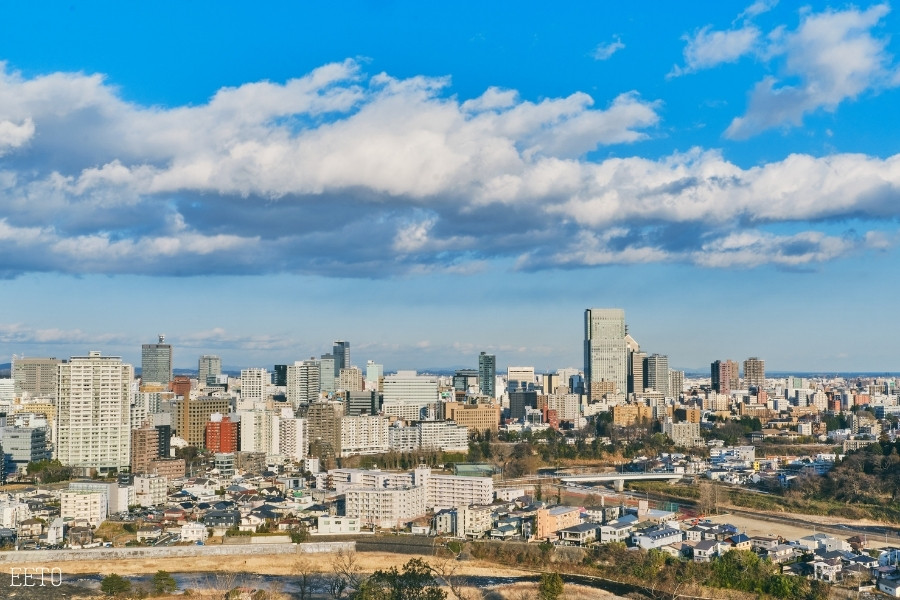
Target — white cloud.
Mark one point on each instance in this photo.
(342, 174)
(604, 51)
(708, 48)
(834, 56)
(14, 136)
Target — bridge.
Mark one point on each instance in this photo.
(618, 479)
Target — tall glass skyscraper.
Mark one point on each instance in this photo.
(487, 374)
(604, 349)
(156, 362)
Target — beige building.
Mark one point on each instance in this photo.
(477, 417)
(550, 520)
(629, 414)
(474, 521)
(150, 490)
(192, 414)
(90, 506)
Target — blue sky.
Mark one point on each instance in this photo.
(431, 181)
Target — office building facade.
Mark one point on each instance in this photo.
(487, 374)
(604, 349)
(156, 362)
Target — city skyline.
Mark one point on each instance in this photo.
(263, 183)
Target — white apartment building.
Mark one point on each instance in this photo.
(80, 505)
(364, 435)
(446, 436)
(441, 491)
(448, 491)
(150, 490)
(260, 431)
(93, 417)
(12, 512)
(410, 396)
(303, 382)
(254, 388)
(293, 438)
(385, 507)
(118, 497)
(404, 438)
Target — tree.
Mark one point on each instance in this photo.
(415, 582)
(551, 586)
(114, 585)
(164, 583)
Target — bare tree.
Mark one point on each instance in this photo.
(304, 572)
(445, 571)
(347, 575)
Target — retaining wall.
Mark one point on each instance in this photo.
(100, 554)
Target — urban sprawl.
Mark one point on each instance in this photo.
(323, 447)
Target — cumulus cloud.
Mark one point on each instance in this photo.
(708, 48)
(344, 174)
(833, 55)
(604, 51)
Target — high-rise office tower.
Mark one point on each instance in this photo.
(341, 353)
(93, 413)
(487, 374)
(208, 366)
(35, 376)
(374, 376)
(754, 372)
(156, 362)
(327, 374)
(279, 379)
(303, 384)
(519, 378)
(634, 361)
(656, 373)
(604, 348)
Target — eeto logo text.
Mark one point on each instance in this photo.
(35, 576)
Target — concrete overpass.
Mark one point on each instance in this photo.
(618, 479)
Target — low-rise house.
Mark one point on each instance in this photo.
(328, 525)
(706, 550)
(763, 543)
(783, 553)
(193, 532)
(148, 532)
(30, 529)
(222, 518)
(827, 570)
(582, 534)
(890, 586)
(740, 541)
(656, 537)
(80, 536)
